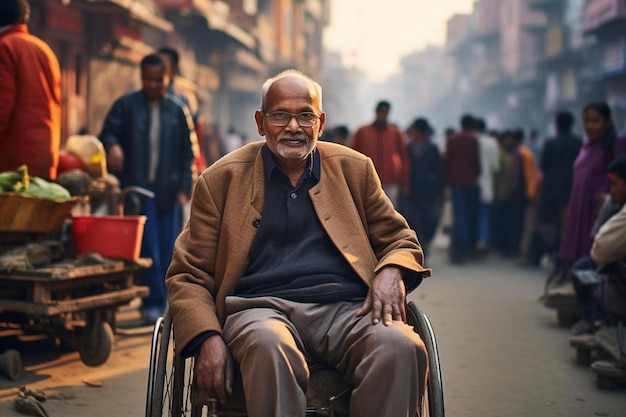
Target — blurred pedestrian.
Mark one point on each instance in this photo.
(502, 225)
(533, 143)
(385, 144)
(529, 215)
(515, 206)
(231, 141)
(150, 143)
(489, 166)
(449, 132)
(341, 135)
(590, 184)
(185, 97)
(30, 96)
(426, 183)
(462, 168)
(557, 162)
(609, 246)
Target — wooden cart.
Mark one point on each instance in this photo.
(76, 303)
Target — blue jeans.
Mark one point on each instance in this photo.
(159, 235)
(484, 228)
(465, 221)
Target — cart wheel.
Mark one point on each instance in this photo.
(110, 317)
(95, 344)
(11, 364)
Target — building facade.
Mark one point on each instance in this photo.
(605, 23)
(227, 49)
(518, 62)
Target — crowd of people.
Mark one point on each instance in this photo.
(490, 179)
(560, 201)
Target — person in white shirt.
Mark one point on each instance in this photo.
(489, 166)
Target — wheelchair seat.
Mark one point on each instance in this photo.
(328, 395)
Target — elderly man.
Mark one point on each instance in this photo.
(294, 253)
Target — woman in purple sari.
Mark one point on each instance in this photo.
(590, 184)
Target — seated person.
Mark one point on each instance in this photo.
(609, 246)
(293, 252)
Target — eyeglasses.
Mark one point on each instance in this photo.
(282, 118)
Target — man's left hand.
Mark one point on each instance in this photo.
(182, 199)
(386, 298)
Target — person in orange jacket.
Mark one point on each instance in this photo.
(531, 183)
(30, 97)
(386, 145)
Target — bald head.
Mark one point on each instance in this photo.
(296, 77)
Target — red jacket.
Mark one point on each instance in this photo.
(30, 103)
(387, 148)
(462, 160)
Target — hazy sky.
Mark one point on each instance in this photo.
(375, 34)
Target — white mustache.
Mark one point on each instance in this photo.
(293, 137)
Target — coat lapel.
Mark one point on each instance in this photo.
(336, 210)
(244, 227)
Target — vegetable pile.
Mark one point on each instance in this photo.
(21, 183)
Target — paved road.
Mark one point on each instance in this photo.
(502, 355)
(61, 375)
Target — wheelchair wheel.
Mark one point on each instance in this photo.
(169, 375)
(433, 404)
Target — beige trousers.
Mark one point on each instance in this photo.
(271, 340)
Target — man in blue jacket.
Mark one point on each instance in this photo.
(151, 143)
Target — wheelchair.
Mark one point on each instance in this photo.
(171, 390)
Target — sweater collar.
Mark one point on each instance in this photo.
(314, 168)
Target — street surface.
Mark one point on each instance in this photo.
(502, 354)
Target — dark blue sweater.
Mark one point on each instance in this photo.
(292, 256)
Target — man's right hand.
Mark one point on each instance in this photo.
(214, 368)
(115, 159)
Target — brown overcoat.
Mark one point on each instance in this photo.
(227, 206)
